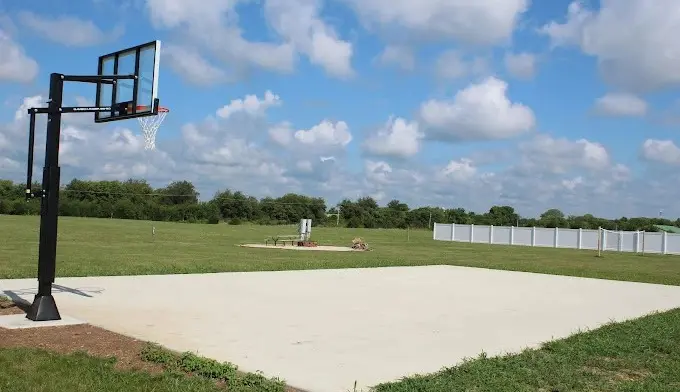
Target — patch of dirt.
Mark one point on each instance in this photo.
(619, 375)
(8, 307)
(95, 341)
(87, 338)
(327, 248)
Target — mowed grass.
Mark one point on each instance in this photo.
(638, 355)
(633, 356)
(124, 247)
(33, 370)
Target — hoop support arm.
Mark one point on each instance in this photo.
(106, 79)
(72, 109)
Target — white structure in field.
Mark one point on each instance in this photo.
(601, 239)
(305, 229)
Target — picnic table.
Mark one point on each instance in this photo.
(282, 239)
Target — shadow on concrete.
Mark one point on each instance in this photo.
(56, 288)
(18, 301)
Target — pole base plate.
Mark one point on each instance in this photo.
(44, 308)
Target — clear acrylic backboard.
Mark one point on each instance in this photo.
(129, 98)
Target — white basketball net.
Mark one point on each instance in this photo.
(150, 125)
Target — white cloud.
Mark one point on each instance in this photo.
(520, 65)
(305, 166)
(320, 139)
(174, 13)
(662, 151)
(7, 164)
(214, 27)
(187, 62)
(578, 176)
(621, 104)
(484, 22)
(281, 133)
(69, 30)
(298, 22)
(299, 30)
(397, 137)
(634, 41)
(15, 65)
(546, 154)
(479, 112)
(571, 184)
(325, 134)
(35, 101)
(458, 170)
(451, 65)
(377, 171)
(250, 105)
(399, 56)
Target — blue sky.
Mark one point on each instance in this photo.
(536, 104)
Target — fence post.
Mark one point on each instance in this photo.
(664, 238)
(636, 242)
(434, 231)
(453, 231)
(512, 235)
(579, 241)
(604, 239)
(556, 237)
(620, 246)
(491, 234)
(533, 236)
(472, 232)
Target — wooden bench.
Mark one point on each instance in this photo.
(276, 239)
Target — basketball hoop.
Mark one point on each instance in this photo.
(150, 125)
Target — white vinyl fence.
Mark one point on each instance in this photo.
(607, 240)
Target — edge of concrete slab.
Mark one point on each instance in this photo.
(19, 321)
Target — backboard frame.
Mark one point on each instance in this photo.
(127, 109)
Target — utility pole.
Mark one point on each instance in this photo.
(429, 222)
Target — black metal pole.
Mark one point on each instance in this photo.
(44, 308)
(31, 143)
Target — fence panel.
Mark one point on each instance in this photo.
(567, 238)
(628, 239)
(480, 234)
(544, 237)
(462, 233)
(442, 232)
(673, 243)
(618, 241)
(501, 235)
(589, 239)
(653, 243)
(522, 236)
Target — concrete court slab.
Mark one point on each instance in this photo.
(322, 330)
(19, 321)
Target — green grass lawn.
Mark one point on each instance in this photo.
(33, 370)
(122, 247)
(634, 356)
(639, 355)
(642, 355)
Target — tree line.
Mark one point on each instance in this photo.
(179, 202)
